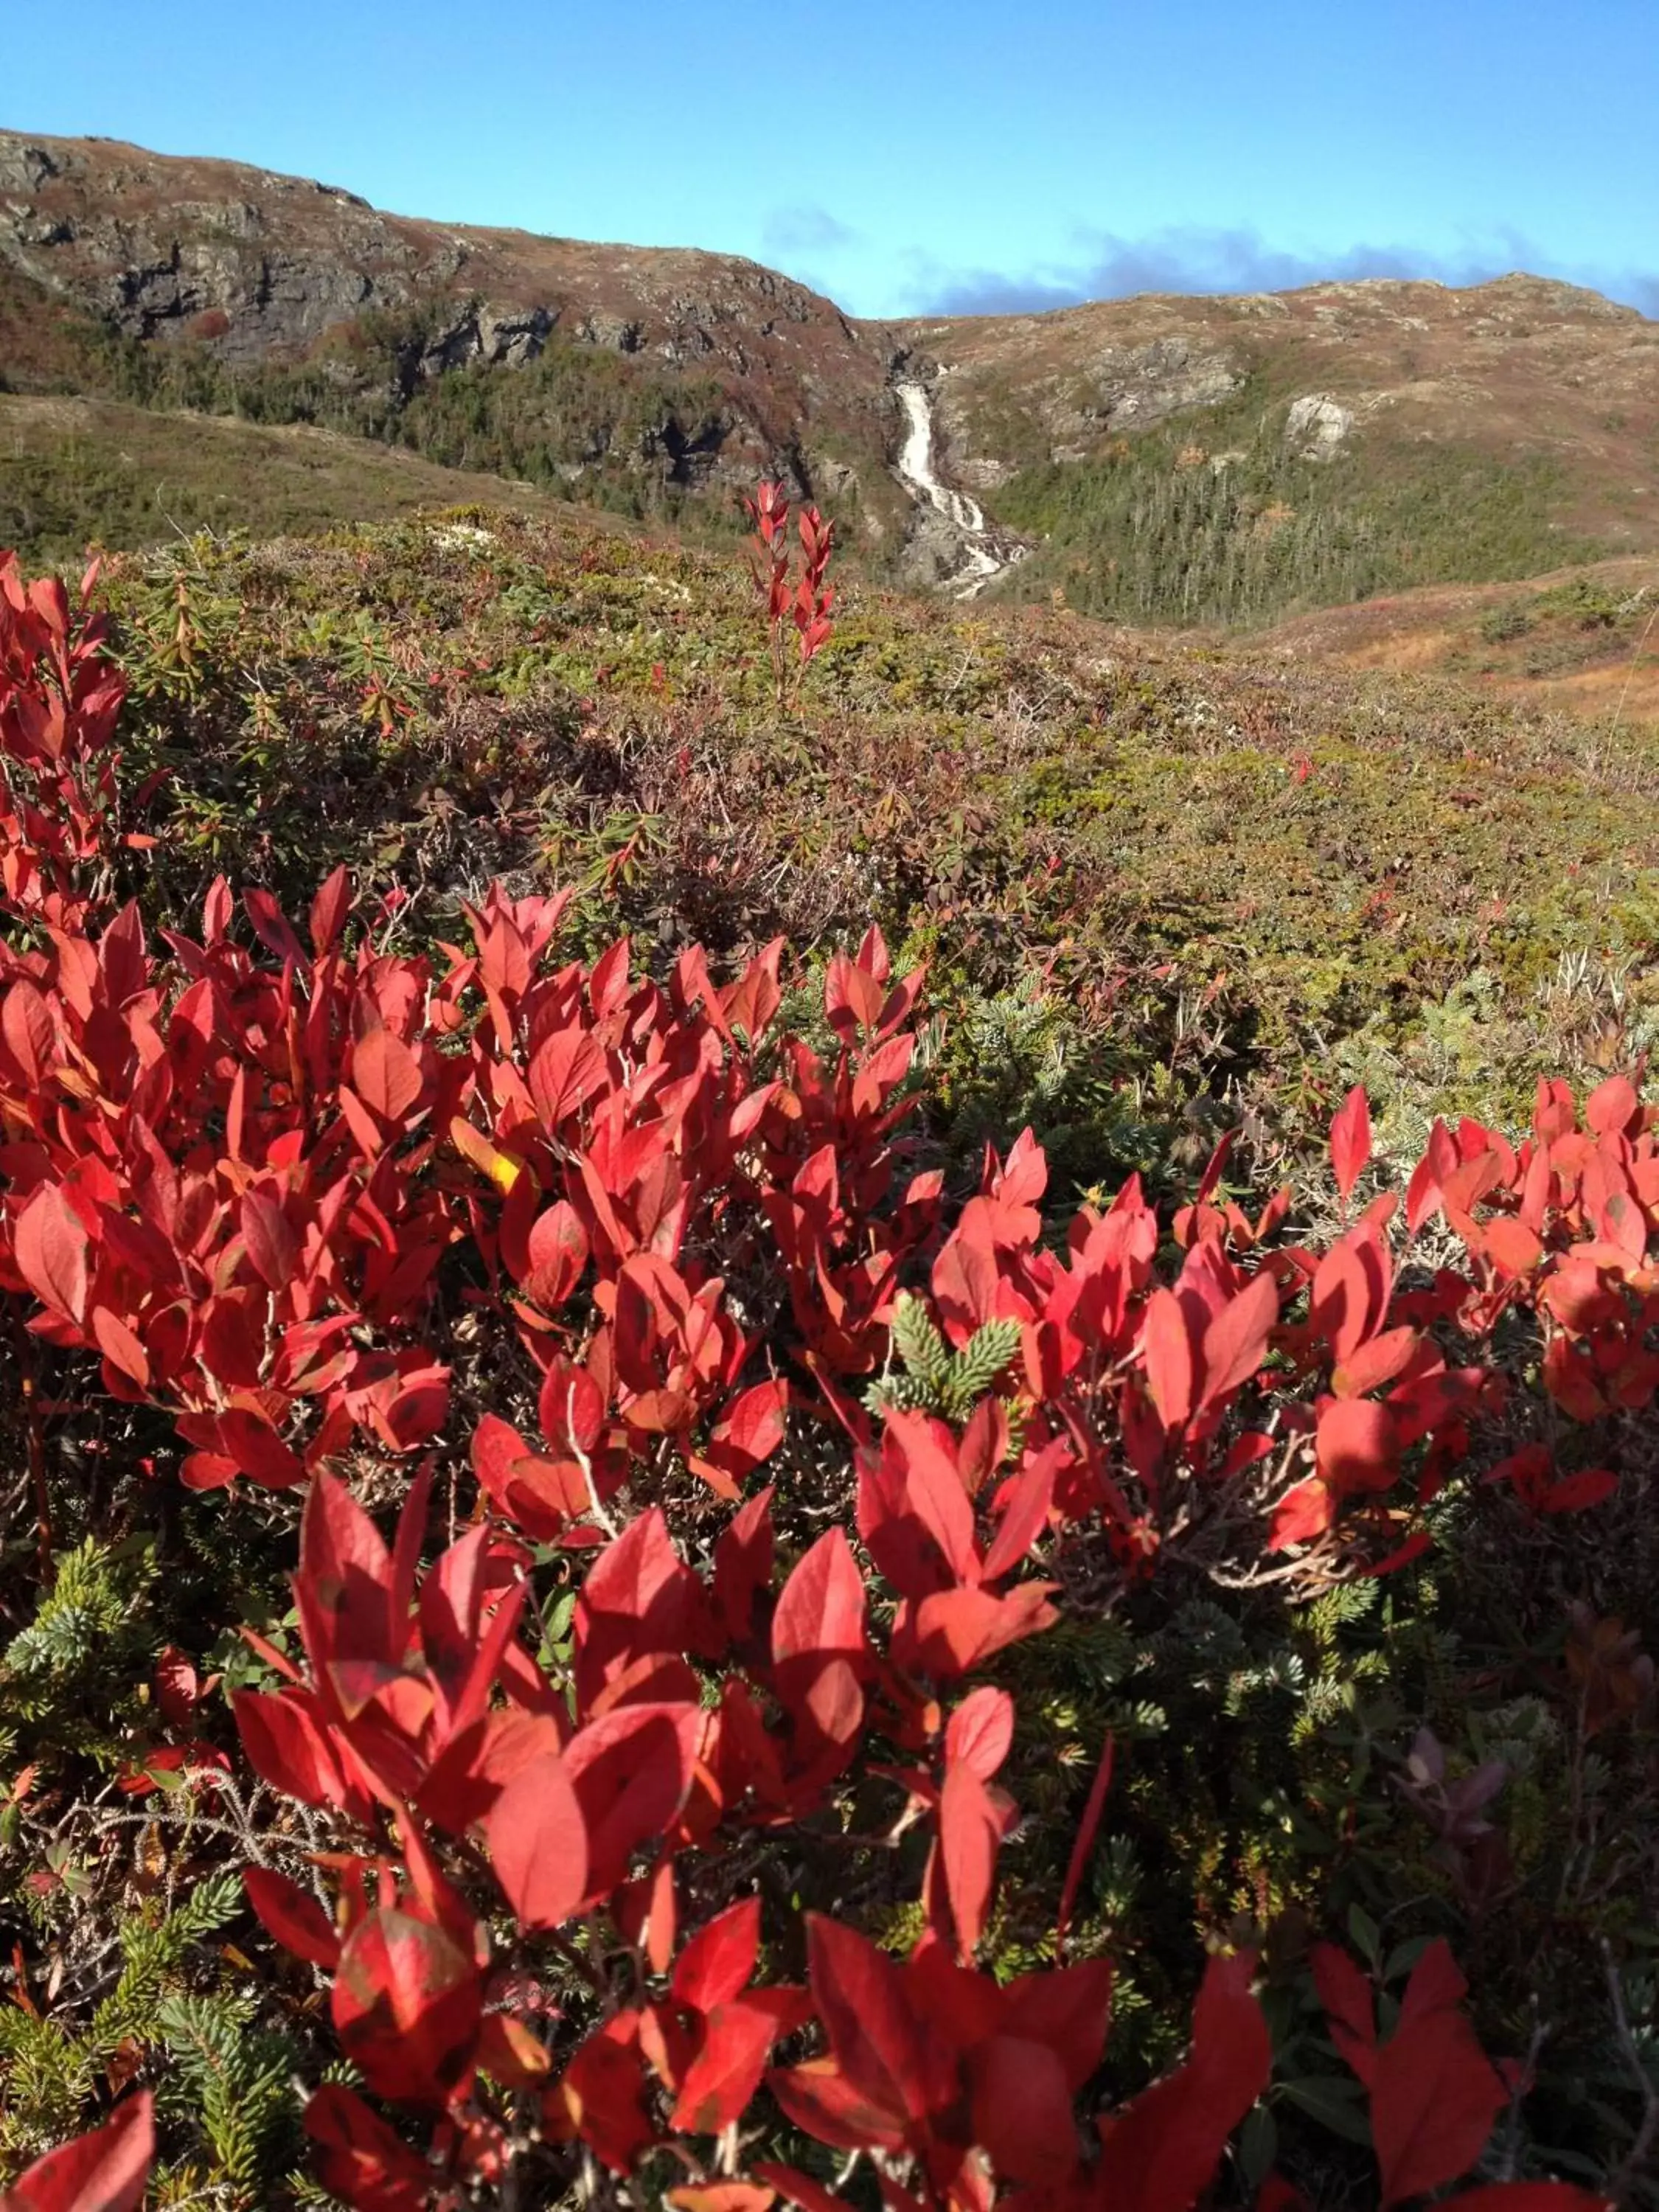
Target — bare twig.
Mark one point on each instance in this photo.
(586, 1466)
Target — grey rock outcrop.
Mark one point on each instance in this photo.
(1317, 426)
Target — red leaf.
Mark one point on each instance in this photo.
(1066, 2007)
(1374, 1364)
(1512, 1247)
(365, 1130)
(1575, 1493)
(120, 1346)
(27, 1024)
(1437, 1985)
(742, 1565)
(1024, 1502)
(965, 1279)
(1347, 1295)
(818, 1648)
(271, 1244)
(1023, 2110)
(359, 2159)
(294, 1917)
(417, 1411)
(538, 1844)
(557, 1253)
(1235, 1339)
(603, 2093)
(720, 2196)
(931, 1487)
(1083, 1842)
(607, 981)
(386, 1074)
(286, 1746)
(819, 2098)
(1171, 1368)
(178, 1686)
(207, 1471)
(1159, 2155)
(720, 1959)
(1612, 1107)
(630, 1770)
(859, 1996)
(1434, 2092)
(639, 1597)
(103, 2171)
(1350, 2008)
(722, 2079)
(497, 1446)
(852, 998)
(1277, 2195)
(542, 1496)
(231, 1339)
(50, 1247)
(799, 2188)
(566, 1070)
(406, 2004)
(1358, 1445)
(981, 1731)
(509, 2053)
(985, 1442)
(1305, 1511)
(969, 1831)
(329, 910)
(570, 1407)
(1351, 1140)
(272, 925)
(955, 1631)
(750, 1428)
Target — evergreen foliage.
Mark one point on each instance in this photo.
(937, 1380)
(1217, 519)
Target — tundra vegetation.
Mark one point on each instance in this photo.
(810, 1401)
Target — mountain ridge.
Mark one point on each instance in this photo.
(661, 381)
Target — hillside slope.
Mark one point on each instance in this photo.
(645, 375)
(1523, 362)
(76, 470)
(1207, 460)
(1243, 872)
(1584, 641)
(1160, 459)
(307, 1220)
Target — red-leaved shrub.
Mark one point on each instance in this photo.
(235, 1167)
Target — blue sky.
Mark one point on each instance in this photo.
(909, 156)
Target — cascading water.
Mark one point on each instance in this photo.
(986, 551)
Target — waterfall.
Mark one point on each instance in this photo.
(985, 550)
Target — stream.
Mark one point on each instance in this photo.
(986, 551)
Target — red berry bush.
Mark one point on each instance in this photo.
(689, 1468)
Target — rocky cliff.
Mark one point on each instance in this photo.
(255, 270)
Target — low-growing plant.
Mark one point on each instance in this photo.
(672, 1795)
(803, 603)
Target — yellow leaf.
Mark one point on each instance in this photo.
(502, 1169)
